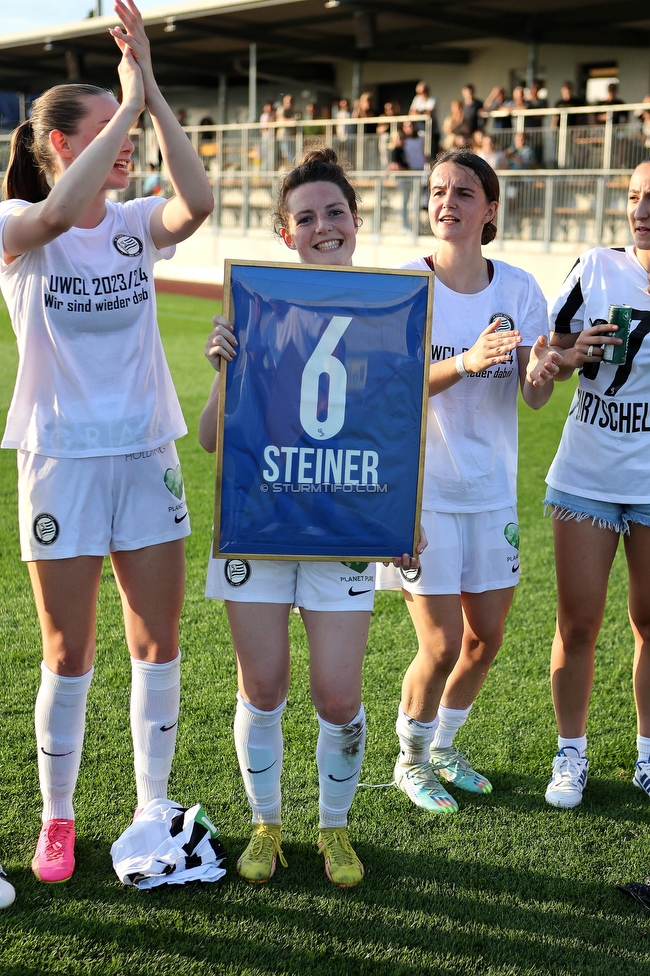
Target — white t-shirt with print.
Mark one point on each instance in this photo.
(604, 452)
(92, 376)
(471, 454)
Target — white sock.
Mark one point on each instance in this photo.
(415, 737)
(259, 745)
(60, 722)
(451, 720)
(339, 755)
(155, 703)
(580, 744)
(643, 748)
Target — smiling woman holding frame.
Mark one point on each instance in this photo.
(317, 217)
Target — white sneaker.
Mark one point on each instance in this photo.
(568, 779)
(7, 891)
(642, 775)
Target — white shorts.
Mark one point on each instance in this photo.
(470, 552)
(92, 506)
(305, 583)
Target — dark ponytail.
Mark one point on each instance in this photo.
(24, 180)
(32, 158)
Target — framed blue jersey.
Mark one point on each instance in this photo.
(321, 431)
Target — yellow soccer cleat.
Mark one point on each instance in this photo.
(342, 866)
(257, 863)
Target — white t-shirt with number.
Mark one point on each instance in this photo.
(92, 376)
(471, 455)
(605, 448)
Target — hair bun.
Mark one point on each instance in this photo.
(324, 154)
(489, 233)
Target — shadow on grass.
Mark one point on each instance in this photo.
(412, 914)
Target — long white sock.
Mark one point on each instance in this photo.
(643, 747)
(339, 755)
(259, 746)
(580, 743)
(451, 720)
(60, 723)
(155, 703)
(415, 737)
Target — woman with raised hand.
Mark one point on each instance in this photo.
(598, 487)
(94, 413)
(486, 345)
(317, 217)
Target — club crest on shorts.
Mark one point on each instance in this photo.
(127, 245)
(46, 529)
(411, 575)
(237, 571)
(507, 322)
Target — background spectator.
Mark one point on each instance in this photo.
(618, 118)
(536, 101)
(343, 112)
(454, 125)
(496, 100)
(644, 116)
(491, 154)
(425, 104)
(365, 109)
(517, 101)
(286, 137)
(391, 109)
(413, 147)
(569, 100)
(471, 108)
(520, 155)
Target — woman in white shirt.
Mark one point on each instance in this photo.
(598, 487)
(94, 413)
(316, 217)
(486, 346)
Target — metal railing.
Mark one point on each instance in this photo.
(583, 203)
(572, 138)
(545, 206)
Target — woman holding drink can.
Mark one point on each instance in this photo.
(598, 483)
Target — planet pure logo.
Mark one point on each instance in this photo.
(511, 532)
(174, 481)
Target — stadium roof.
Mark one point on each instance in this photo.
(193, 43)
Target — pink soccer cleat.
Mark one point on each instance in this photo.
(54, 858)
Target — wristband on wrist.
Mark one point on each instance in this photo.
(460, 365)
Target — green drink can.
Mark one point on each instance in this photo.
(621, 316)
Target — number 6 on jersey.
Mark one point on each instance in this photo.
(322, 362)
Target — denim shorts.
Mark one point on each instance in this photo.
(606, 515)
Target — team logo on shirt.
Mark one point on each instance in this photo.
(46, 529)
(128, 245)
(507, 322)
(237, 571)
(411, 575)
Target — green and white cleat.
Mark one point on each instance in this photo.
(452, 766)
(422, 786)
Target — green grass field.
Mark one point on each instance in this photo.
(509, 886)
